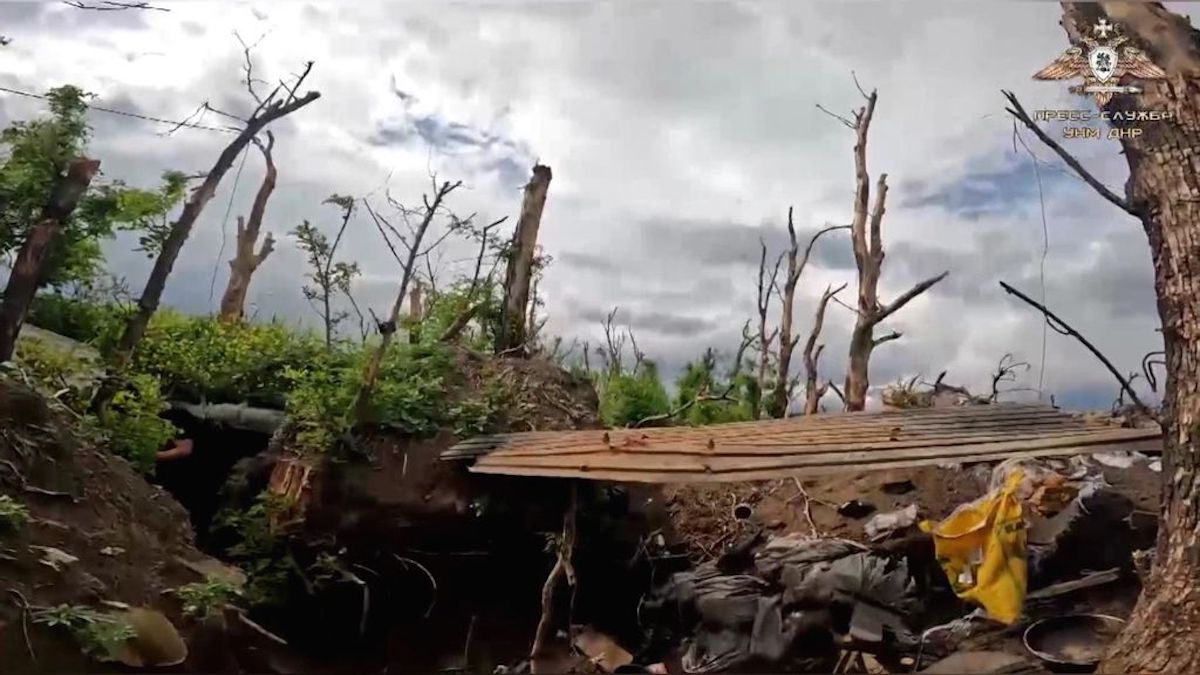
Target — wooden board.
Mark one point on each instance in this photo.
(801, 446)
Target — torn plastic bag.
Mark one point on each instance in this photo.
(981, 548)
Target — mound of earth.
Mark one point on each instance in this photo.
(442, 552)
(97, 534)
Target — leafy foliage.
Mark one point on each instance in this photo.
(700, 379)
(448, 305)
(40, 151)
(81, 316)
(198, 357)
(259, 551)
(13, 514)
(200, 599)
(410, 394)
(626, 398)
(329, 277)
(132, 423)
(100, 635)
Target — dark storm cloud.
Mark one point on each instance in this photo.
(709, 242)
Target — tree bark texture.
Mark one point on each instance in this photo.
(1163, 190)
(513, 331)
(30, 266)
(245, 260)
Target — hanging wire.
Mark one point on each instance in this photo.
(124, 113)
(1045, 248)
(212, 284)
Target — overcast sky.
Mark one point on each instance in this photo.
(679, 133)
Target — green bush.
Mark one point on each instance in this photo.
(202, 598)
(410, 394)
(81, 319)
(200, 357)
(13, 514)
(99, 635)
(132, 423)
(626, 399)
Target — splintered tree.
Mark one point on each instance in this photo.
(1163, 635)
(784, 385)
(329, 276)
(513, 334)
(282, 101)
(867, 240)
(245, 259)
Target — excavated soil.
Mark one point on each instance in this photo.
(702, 515)
(132, 541)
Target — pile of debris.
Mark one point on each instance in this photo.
(892, 601)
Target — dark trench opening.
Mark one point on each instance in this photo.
(196, 480)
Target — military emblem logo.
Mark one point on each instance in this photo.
(1103, 65)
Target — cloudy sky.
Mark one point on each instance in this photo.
(679, 134)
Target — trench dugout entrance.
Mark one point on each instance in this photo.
(196, 481)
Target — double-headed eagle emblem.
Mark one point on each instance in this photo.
(1103, 65)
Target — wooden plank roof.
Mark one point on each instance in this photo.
(801, 445)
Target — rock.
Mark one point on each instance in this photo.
(156, 641)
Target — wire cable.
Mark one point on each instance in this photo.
(237, 179)
(124, 113)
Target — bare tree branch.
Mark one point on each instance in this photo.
(114, 5)
(1066, 329)
(1019, 113)
(1006, 371)
(812, 353)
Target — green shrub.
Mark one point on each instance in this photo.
(200, 357)
(202, 598)
(409, 395)
(132, 423)
(13, 514)
(626, 399)
(259, 551)
(79, 318)
(99, 635)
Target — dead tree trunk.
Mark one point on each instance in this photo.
(787, 344)
(867, 240)
(268, 111)
(245, 261)
(1163, 635)
(512, 337)
(813, 392)
(765, 339)
(30, 266)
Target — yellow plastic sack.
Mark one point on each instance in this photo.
(981, 547)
